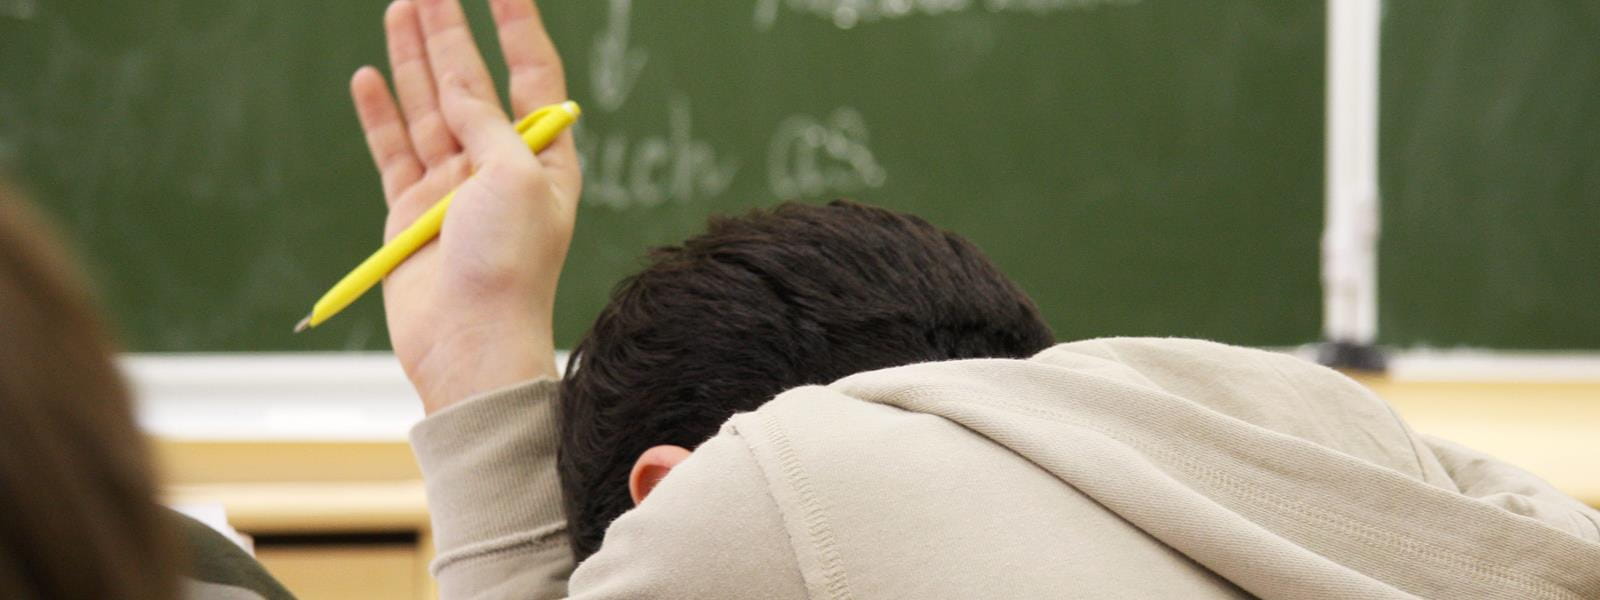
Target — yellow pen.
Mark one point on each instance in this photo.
(538, 131)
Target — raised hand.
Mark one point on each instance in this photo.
(472, 311)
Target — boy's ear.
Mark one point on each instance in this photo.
(652, 466)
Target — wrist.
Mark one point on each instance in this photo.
(482, 357)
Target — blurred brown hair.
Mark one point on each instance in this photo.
(78, 517)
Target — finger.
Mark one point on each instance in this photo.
(479, 124)
(500, 156)
(454, 59)
(413, 82)
(537, 79)
(535, 67)
(385, 132)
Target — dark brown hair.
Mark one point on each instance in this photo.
(79, 519)
(758, 304)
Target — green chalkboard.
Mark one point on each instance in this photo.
(1141, 166)
(1490, 174)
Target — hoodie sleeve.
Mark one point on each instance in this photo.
(709, 530)
(489, 467)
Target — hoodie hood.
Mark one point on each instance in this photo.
(1286, 479)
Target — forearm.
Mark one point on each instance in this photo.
(490, 469)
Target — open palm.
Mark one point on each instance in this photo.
(471, 311)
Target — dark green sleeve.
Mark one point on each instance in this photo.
(215, 559)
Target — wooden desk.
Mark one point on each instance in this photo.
(335, 520)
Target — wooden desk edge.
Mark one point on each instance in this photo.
(314, 507)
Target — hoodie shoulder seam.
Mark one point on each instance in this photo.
(817, 529)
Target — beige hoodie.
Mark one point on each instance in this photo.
(1114, 468)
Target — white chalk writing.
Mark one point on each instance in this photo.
(621, 173)
(615, 67)
(809, 157)
(21, 10)
(846, 14)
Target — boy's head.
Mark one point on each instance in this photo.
(756, 305)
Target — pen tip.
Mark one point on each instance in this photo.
(303, 325)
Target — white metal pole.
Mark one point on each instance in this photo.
(1350, 239)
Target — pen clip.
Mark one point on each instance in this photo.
(534, 117)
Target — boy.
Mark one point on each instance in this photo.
(1106, 468)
